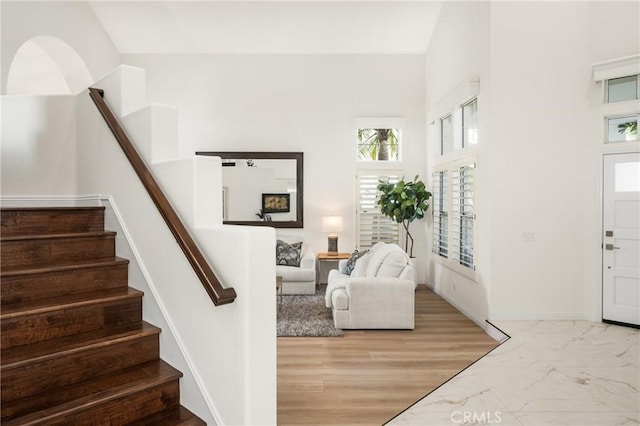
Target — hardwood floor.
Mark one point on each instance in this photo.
(368, 377)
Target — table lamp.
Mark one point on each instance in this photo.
(332, 224)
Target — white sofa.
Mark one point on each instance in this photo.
(379, 293)
(302, 279)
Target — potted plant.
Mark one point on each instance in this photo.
(404, 202)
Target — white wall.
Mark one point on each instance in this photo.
(540, 151)
(38, 145)
(38, 133)
(537, 183)
(546, 127)
(303, 103)
(459, 53)
(72, 22)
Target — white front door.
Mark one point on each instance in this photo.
(621, 239)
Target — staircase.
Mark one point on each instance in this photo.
(74, 347)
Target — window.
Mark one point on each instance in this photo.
(622, 89)
(462, 214)
(459, 128)
(440, 213)
(373, 226)
(446, 134)
(627, 176)
(620, 129)
(381, 144)
(621, 111)
(470, 123)
(454, 214)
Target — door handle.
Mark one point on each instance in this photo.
(611, 247)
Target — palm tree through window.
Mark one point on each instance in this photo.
(378, 144)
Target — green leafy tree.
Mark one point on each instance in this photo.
(377, 144)
(630, 128)
(404, 202)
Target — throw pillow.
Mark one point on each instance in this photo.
(351, 263)
(288, 254)
(361, 265)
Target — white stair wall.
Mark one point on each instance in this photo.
(230, 350)
(192, 184)
(125, 89)
(154, 128)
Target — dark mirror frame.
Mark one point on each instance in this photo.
(250, 155)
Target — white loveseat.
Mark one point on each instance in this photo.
(298, 279)
(379, 293)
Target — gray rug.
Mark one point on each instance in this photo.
(305, 315)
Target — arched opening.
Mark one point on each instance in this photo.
(46, 65)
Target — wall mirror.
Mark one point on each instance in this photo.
(261, 188)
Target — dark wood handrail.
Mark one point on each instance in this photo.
(218, 294)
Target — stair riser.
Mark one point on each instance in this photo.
(24, 288)
(48, 252)
(181, 416)
(123, 410)
(51, 221)
(55, 373)
(28, 329)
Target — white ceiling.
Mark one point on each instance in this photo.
(269, 27)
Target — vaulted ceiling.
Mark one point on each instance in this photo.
(269, 27)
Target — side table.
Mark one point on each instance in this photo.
(327, 262)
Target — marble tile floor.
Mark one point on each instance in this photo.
(574, 373)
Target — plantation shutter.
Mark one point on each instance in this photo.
(463, 214)
(373, 226)
(440, 213)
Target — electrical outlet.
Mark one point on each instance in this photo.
(528, 236)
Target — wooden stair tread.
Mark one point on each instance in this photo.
(69, 235)
(61, 346)
(78, 264)
(84, 395)
(75, 349)
(67, 302)
(179, 416)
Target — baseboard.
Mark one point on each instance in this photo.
(540, 316)
(481, 322)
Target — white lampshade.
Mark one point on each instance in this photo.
(332, 224)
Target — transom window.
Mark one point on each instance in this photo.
(621, 129)
(622, 89)
(470, 123)
(621, 109)
(446, 134)
(459, 128)
(379, 144)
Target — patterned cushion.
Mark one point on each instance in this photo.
(288, 254)
(351, 263)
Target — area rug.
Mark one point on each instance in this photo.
(305, 315)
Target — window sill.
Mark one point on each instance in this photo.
(454, 267)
